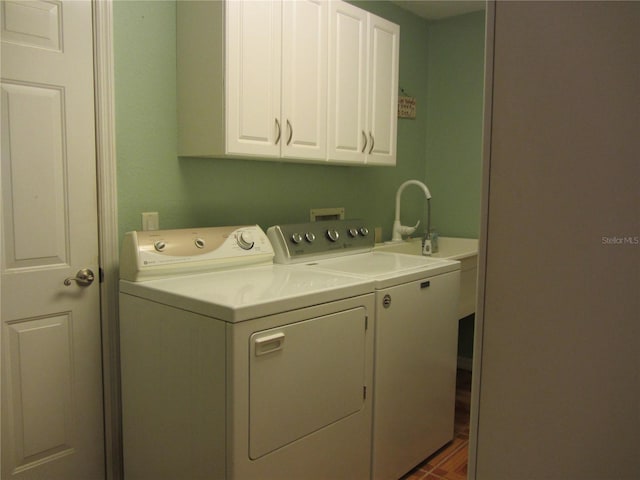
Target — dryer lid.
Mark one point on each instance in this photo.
(244, 293)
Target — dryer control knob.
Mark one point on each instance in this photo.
(296, 238)
(364, 231)
(353, 232)
(333, 235)
(245, 240)
(160, 245)
(310, 237)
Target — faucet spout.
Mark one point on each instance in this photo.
(398, 228)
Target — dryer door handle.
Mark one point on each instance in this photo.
(269, 344)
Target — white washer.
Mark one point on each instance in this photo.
(416, 331)
(236, 368)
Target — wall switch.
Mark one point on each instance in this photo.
(150, 221)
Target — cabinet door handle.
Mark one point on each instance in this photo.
(279, 131)
(364, 147)
(290, 132)
(372, 142)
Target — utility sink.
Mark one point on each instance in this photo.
(453, 248)
(465, 250)
(410, 247)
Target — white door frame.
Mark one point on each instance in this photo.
(108, 230)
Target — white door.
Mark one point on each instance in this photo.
(52, 425)
(304, 79)
(384, 43)
(253, 65)
(347, 138)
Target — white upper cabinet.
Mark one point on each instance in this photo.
(304, 79)
(347, 104)
(275, 79)
(363, 86)
(384, 48)
(253, 71)
(276, 85)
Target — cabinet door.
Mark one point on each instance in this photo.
(347, 136)
(253, 66)
(304, 80)
(384, 41)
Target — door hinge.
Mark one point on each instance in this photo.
(364, 392)
(366, 322)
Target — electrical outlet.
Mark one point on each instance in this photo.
(150, 221)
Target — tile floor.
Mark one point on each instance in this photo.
(450, 462)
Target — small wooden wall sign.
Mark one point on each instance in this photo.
(406, 107)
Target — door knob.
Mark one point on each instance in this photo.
(84, 278)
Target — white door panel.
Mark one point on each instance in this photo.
(33, 174)
(362, 87)
(383, 90)
(40, 386)
(347, 105)
(253, 77)
(52, 425)
(304, 80)
(35, 24)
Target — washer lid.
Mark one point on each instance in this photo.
(386, 268)
(245, 293)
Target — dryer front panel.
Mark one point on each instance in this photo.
(305, 376)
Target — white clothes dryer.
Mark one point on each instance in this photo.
(236, 368)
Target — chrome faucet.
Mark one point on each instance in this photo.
(399, 229)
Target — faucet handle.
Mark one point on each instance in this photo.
(404, 230)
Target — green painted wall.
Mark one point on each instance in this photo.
(204, 192)
(453, 158)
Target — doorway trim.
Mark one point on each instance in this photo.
(490, 12)
(108, 231)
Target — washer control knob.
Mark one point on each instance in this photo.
(310, 237)
(199, 242)
(333, 235)
(364, 231)
(353, 232)
(296, 238)
(245, 240)
(160, 245)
